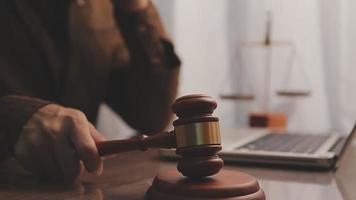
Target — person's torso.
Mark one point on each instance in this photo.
(35, 57)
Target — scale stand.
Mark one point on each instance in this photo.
(267, 118)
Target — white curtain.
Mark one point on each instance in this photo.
(338, 25)
(207, 32)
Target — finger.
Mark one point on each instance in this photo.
(85, 146)
(32, 147)
(98, 137)
(67, 159)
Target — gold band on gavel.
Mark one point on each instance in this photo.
(195, 134)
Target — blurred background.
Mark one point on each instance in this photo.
(223, 48)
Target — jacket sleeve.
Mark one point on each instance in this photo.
(143, 91)
(15, 111)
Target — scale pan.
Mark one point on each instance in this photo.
(295, 93)
(238, 97)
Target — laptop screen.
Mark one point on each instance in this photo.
(346, 172)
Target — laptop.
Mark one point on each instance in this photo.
(262, 146)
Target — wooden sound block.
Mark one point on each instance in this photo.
(226, 185)
(271, 120)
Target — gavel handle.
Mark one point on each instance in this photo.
(143, 142)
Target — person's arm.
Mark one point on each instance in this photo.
(143, 91)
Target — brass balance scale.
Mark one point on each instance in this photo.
(267, 118)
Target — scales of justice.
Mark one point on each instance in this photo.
(266, 117)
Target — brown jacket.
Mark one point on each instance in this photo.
(80, 56)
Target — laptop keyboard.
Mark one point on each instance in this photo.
(297, 143)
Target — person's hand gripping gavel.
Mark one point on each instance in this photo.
(196, 138)
(55, 139)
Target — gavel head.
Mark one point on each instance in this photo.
(197, 136)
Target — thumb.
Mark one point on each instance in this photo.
(98, 137)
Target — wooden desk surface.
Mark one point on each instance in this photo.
(128, 176)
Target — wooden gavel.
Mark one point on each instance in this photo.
(196, 138)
